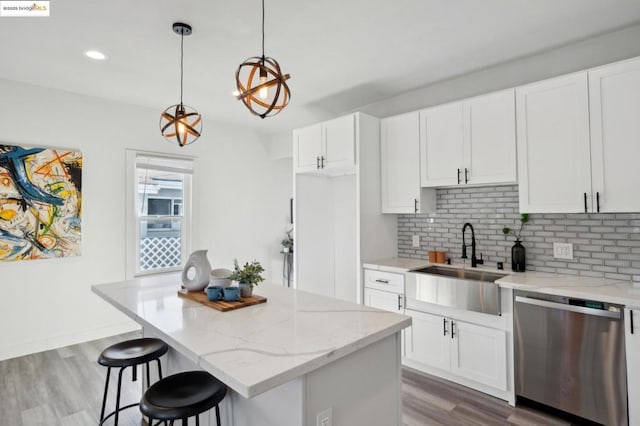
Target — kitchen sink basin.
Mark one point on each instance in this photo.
(464, 274)
(469, 290)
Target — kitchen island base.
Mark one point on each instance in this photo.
(362, 388)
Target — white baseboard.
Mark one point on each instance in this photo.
(40, 345)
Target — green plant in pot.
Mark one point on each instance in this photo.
(287, 245)
(248, 276)
(518, 252)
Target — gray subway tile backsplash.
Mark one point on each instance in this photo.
(605, 245)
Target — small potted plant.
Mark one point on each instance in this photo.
(518, 252)
(248, 276)
(287, 245)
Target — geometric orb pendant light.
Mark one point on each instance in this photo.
(262, 87)
(180, 123)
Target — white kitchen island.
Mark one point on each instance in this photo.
(286, 362)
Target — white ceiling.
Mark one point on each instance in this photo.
(340, 54)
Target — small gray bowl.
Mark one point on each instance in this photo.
(220, 277)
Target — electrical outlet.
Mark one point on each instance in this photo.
(563, 250)
(325, 418)
(416, 241)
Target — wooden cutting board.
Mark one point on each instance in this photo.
(221, 305)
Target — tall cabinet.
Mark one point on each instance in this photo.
(338, 223)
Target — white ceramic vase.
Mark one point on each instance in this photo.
(199, 262)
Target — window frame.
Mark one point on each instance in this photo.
(135, 218)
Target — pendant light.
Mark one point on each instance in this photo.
(261, 84)
(180, 123)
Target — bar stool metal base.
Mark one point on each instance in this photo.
(126, 354)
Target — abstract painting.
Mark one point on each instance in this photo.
(40, 202)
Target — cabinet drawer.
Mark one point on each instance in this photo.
(386, 281)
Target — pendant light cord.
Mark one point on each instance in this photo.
(263, 29)
(182, 62)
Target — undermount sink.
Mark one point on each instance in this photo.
(464, 274)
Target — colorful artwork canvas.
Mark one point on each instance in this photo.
(40, 202)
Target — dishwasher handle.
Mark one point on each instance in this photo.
(570, 308)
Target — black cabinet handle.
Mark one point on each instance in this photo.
(631, 319)
(444, 326)
(598, 201)
(322, 162)
(453, 332)
(585, 202)
(458, 176)
(317, 162)
(382, 281)
(415, 205)
(399, 302)
(466, 175)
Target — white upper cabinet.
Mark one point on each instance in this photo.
(326, 145)
(400, 166)
(553, 145)
(338, 140)
(472, 142)
(490, 139)
(614, 100)
(441, 140)
(307, 147)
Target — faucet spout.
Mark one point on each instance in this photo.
(474, 261)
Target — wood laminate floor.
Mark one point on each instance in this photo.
(63, 387)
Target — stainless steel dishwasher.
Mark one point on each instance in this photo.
(570, 355)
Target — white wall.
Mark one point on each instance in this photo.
(240, 210)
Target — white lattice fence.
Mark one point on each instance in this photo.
(159, 252)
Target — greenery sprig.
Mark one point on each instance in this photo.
(524, 218)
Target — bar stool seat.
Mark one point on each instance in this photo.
(130, 353)
(183, 395)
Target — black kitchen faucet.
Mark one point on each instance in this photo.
(474, 261)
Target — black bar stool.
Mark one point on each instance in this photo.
(181, 396)
(130, 353)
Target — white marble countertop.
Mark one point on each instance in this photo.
(396, 264)
(259, 347)
(600, 289)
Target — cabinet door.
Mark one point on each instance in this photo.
(479, 354)
(427, 340)
(554, 169)
(400, 161)
(490, 139)
(339, 146)
(383, 300)
(307, 147)
(614, 97)
(441, 140)
(632, 344)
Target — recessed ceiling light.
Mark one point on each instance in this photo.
(94, 54)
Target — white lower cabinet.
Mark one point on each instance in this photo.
(632, 344)
(457, 348)
(383, 300)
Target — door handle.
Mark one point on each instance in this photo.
(631, 320)
(458, 176)
(453, 331)
(317, 162)
(399, 302)
(598, 201)
(444, 326)
(466, 175)
(415, 205)
(322, 162)
(585, 202)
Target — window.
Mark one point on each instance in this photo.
(159, 228)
